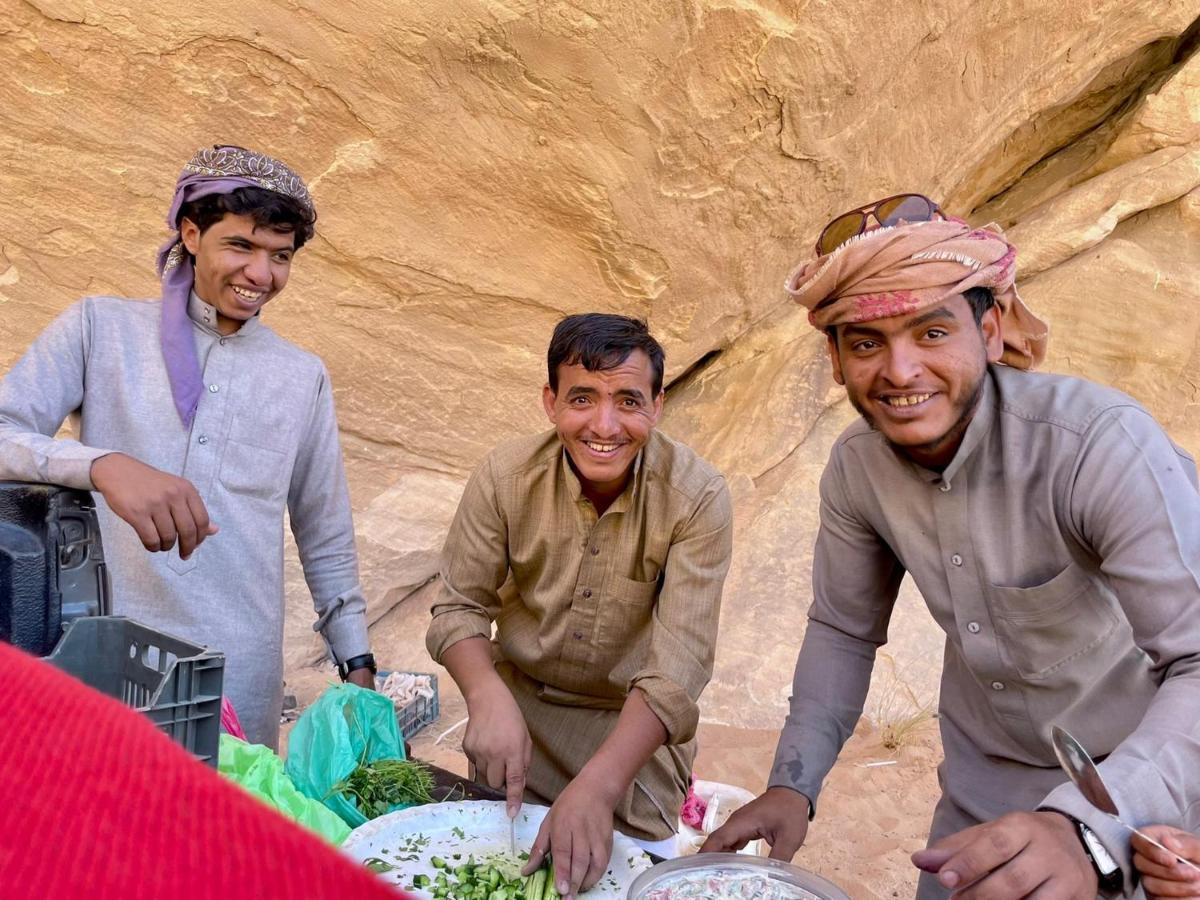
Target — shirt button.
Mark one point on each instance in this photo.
(944, 487)
(595, 551)
(997, 685)
(956, 559)
(224, 341)
(973, 627)
(212, 388)
(587, 592)
(578, 635)
(203, 439)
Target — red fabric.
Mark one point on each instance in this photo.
(96, 803)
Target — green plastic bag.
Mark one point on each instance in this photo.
(259, 771)
(346, 727)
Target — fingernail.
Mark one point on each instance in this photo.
(948, 879)
(563, 888)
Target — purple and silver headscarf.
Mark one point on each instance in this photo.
(216, 170)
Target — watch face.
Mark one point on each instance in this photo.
(1105, 864)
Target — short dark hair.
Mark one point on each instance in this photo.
(268, 209)
(600, 341)
(980, 299)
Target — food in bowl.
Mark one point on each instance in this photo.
(726, 884)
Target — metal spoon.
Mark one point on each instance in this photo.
(1085, 776)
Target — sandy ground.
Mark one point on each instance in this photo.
(871, 817)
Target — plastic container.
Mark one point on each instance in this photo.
(175, 683)
(788, 881)
(417, 713)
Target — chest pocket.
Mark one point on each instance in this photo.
(251, 470)
(1051, 627)
(626, 611)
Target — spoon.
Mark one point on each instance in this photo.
(1085, 776)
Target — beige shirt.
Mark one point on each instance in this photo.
(596, 605)
(264, 440)
(1060, 552)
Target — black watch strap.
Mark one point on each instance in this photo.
(365, 661)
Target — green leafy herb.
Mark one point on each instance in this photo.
(376, 787)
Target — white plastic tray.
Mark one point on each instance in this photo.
(410, 838)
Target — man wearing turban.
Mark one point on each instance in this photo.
(199, 426)
(1054, 532)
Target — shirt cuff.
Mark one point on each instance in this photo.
(789, 770)
(71, 466)
(671, 703)
(343, 623)
(448, 628)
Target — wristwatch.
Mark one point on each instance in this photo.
(1109, 878)
(366, 661)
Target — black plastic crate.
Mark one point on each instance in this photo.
(176, 683)
(418, 712)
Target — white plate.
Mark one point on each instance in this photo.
(410, 838)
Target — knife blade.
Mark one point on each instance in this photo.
(512, 836)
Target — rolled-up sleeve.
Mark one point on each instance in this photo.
(36, 396)
(856, 578)
(1135, 502)
(322, 522)
(683, 636)
(474, 566)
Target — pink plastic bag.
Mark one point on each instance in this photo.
(229, 720)
(693, 809)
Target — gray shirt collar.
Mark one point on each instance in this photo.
(205, 315)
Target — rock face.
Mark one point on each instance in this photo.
(483, 167)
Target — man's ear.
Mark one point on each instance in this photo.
(993, 336)
(658, 408)
(189, 233)
(835, 360)
(548, 397)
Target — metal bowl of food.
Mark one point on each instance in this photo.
(731, 876)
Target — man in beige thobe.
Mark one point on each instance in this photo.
(598, 550)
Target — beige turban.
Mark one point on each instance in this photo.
(899, 270)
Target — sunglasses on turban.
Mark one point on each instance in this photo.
(889, 211)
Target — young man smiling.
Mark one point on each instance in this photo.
(198, 425)
(1054, 532)
(599, 550)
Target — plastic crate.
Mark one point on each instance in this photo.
(175, 683)
(417, 713)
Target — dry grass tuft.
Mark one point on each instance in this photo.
(896, 712)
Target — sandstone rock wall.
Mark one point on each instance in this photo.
(484, 167)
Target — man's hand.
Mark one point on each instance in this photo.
(780, 817)
(497, 741)
(161, 508)
(1018, 855)
(1162, 874)
(578, 834)
(363, 678)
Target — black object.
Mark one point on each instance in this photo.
(51, 563)
(365, 661)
